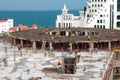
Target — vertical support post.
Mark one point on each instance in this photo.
(82, 48)
(91, 46)
(27, 47)
(86, 33)
(109, 45)
(70, 46)
(34, 45)
(50, 33)
(119, 44)
(14, 50)
(21, 42)
(67, 33)
(43, 44)
(63, 65)
(51, 46)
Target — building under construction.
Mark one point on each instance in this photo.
(72, 40)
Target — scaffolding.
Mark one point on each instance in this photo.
(69, 65)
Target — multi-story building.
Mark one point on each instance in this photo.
(103, 14)
(100, 14)
(118, 13)
(69, 20)
(5, 24)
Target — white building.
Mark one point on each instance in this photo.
(118, 13)
(68, 20)
(5, 24)
(103, 14)
(100, 14)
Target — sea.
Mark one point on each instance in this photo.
(40, 18)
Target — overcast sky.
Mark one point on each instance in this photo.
(41, 4)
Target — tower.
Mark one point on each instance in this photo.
(64, 10)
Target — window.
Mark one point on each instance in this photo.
(97, 26)
(118, 24)
(66, 24)
(104, 21)
(98, 5)
(97, 21)
(95, 5)
(103, 26)
(92, 15)
(95, 10)
(105, 10)
(100, 15)
(59, 25)
(94, 26)
(90, 11)
(100, 21)
(118, 17)
(88, 15)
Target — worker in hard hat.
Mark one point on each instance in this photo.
(59, 69)
(59, 62)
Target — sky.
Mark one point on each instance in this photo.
(41, 4)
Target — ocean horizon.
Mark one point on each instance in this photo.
(42, 19)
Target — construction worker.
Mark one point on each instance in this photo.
(58, 61)
(59, 69)
(19, 47)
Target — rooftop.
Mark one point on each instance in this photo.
(3, 20)
(43, 34)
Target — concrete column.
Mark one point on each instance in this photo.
(86, 33)
(34, 45)
(109, 45)
(119, 44)
(43, 44)
(67, 33)
(91, 46)
(50, 33)
(76, 33)
(14, 42)
(70, 46)
(14, 50)
(21, 42)
(51, 46)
